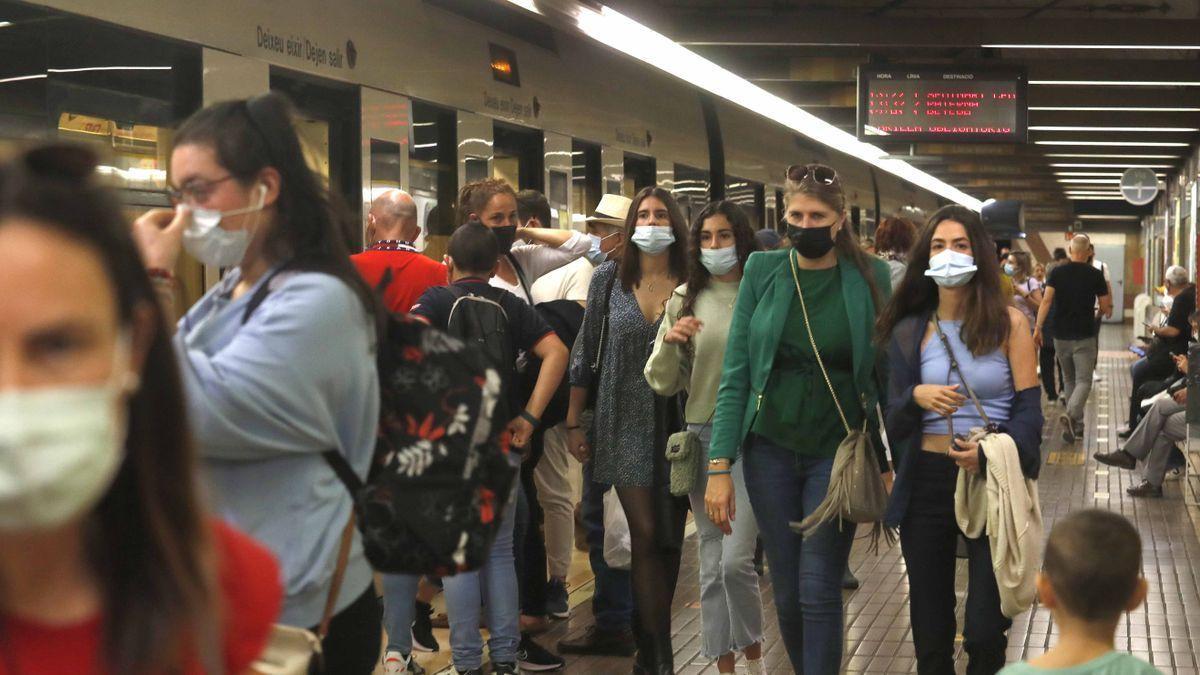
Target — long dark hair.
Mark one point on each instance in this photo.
(631, 262)
(313, 228)
(743, 234)
(832, 195)
(985, 321)
(146, 541)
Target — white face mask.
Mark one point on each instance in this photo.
(951, 269)
(653, 240)
(60, 448)
(208, 242)
(719, 261)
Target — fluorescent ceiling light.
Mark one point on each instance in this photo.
(1089, 198)
(1112, 83)
(1070, 108)
(1096, 173)
(1064, 46)
(618, 31)
(1147, 144)
(5, 24)
(1110, 166)
(1104, 156)
(92, 68)
(19, 78)
(1070, 128)
(1102, 181)
(1105, 217)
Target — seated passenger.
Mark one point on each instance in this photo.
(107, 561)
(1091, 577)
(1170, 339)
(1154, 387)
(1152, 442)
(271, 389)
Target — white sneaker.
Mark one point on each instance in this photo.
(755, 667)
(395, 663)
(1174, 474)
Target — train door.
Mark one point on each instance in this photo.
(518, 156)
(612, 166)
(328, 122)
(747, 194)
(691, 187)
(386, 120)
(433, 174)
(474, 148)
(558, 163)
(639, 173)
(587, 184)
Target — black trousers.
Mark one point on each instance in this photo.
(1051, 383)
(352, 645)
(929, 535)
(529, 543)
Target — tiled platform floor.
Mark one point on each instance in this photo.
(1165, 631)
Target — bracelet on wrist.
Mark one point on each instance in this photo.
(721, 472)
(528, 417)
(719, 460)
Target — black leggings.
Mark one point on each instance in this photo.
(656, 521)
(355, 635)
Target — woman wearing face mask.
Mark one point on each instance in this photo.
(1027, 290)
(494, 203)
(632, 423)
(775, 402)
(278, 358)
(107, 561)
(687, 357)
(953, 279)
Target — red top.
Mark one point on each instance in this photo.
(412, 274)
(251, 596)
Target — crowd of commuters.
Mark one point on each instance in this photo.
(183, 506)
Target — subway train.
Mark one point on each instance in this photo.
(425, 95)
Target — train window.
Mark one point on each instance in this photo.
(119, 91)
(691, 190)
(748, 195)
(639, 173)
(518, 156)
(585, 180)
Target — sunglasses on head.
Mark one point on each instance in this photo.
(817, 173)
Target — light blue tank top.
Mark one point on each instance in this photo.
(990, 376)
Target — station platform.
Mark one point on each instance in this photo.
(1165, 631)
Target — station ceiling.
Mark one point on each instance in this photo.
(1138, 105)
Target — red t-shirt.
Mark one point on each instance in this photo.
(251, 596)
(412, 273)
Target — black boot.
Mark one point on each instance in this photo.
(643, 660)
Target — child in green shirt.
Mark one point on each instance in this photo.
(1090, 578)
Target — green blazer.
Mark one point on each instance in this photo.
(764, 299)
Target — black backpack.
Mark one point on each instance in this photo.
(479, 319)
(441, 473)
(566, 318)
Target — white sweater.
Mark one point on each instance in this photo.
(1004, 502)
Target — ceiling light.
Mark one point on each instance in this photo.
(1096, 173)
(19, 78)
(1106, 217)
(1103, 181)
(5, 24)
(1089, 198)
(92, 68)
(1112, 83)
(1110, 166)
(1067, 46)
(618, 31)
(1083, 154)
(1068, 108)
(1147, 144)
(1069, 128)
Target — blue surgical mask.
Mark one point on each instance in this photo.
(719, 261)
(653, 240)
(1009, 269)
(951, 269)
(594, 254)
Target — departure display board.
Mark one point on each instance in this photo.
(923, 105)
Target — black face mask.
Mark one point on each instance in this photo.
(811, 242)
(505, 236)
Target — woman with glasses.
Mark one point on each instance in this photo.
(981, 346)
(278, 359)
(108, 561)
(800, 368)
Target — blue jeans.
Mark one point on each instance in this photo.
(496, 583)
(612, 600)
(399, 593)
(731, 613)
(806, 573)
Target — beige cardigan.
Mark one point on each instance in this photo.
(1004, 502)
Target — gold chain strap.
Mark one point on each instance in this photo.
(813, 341)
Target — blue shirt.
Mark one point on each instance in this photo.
(989, 375)
(265, 399)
